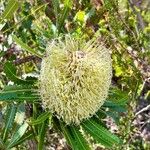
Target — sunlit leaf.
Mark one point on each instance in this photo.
(10, 9)
(26, 47)
(80, 16)
(17, 135)
(25, 137)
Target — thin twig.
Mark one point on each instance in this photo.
(142, 110)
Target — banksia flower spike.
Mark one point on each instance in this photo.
(75, 78)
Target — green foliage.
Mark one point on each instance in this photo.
(11, 122)
(40, 119)
(26, 47)
(100, 134)
(10, 9)
(42, 133)
(27, 136)
(10, 116)
(18, 93)
(74, 137)
(64, 13)
(10, 71)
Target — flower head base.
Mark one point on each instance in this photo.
(75, 78)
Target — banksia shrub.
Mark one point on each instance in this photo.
(75, 78)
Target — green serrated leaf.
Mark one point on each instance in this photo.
(79, 139)
(17, 135)
(24, 18)
(19, 88)
(10, 9)
(67, 133)
(40, 119)
(118, 97)
(74, 137)
(117, 107)
(111, 104)
(101, 114)
(10, 71)
(100, 134)
(26, 47)
(18, 93)
(41, 136)
(10, 116)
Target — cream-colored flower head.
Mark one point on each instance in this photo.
(75, 78)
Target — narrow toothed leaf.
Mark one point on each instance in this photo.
(26, 47)
(100, 134)
(10, 71)
(10, 116)
(10, 9)
(19, 93)
(74, 137)
(40, 118)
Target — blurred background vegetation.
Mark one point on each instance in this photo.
(123, 26)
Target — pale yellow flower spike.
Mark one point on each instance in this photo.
(75, 78)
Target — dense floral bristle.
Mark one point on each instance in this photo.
(75, 78)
